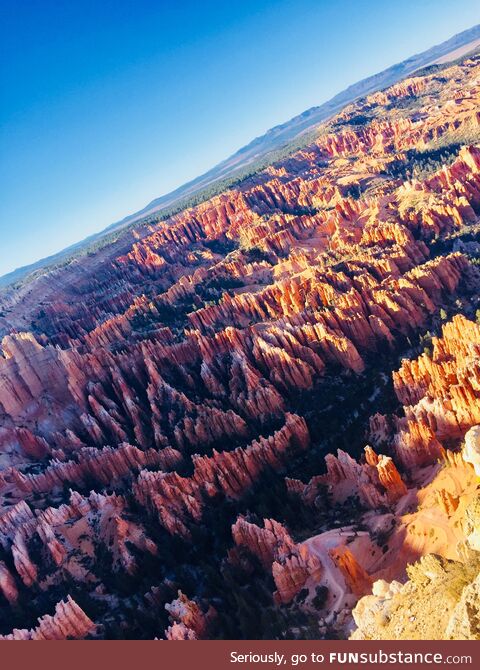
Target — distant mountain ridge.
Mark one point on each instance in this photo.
(275, 138)
(282, 134)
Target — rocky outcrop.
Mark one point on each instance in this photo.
(471, 449)
(464, 622)
(440, 601)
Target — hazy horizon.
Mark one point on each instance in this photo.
(96, 122)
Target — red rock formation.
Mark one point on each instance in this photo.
(68, 623)
(170, 369)
(176, 498)
(103, 465)
(68, 535)
(8, 587)
(292, 565)
(376, 482)
(190, 623)
(447, 501)
(357, 579)
(440, 394)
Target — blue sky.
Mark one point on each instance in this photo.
(107, 104)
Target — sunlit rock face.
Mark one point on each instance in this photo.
(249, 419)
(471, 449)
(440, 599)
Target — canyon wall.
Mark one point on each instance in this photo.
(225, 416)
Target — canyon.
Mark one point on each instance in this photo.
(260, 417)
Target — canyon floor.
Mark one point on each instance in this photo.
(258, 418)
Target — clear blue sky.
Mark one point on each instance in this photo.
(107, 104)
